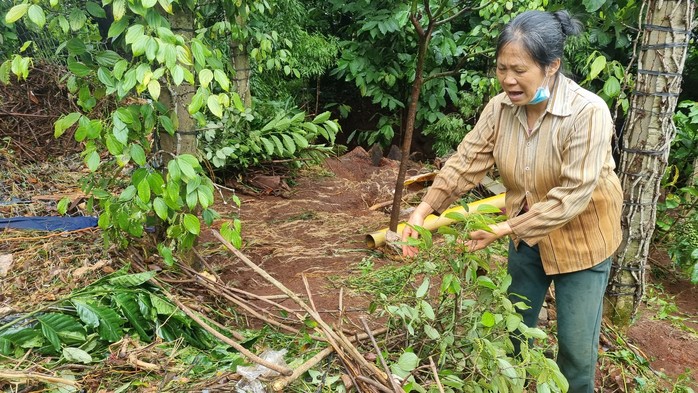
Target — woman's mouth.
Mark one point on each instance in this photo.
(515, 95)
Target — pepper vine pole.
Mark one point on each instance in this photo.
(646, 140)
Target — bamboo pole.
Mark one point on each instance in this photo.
(432, 222)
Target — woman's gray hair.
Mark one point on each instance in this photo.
(542, 34)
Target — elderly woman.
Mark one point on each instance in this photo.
(551, 141)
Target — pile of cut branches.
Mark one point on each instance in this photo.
(28, 110)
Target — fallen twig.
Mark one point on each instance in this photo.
(436, 375)
(254, 358)
(373, 383)
(281, 383)
(333, 337)
(32, 376)
(396, 388)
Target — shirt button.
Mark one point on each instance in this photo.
(526, 168)
(528, 143)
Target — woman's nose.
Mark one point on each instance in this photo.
(508, 79)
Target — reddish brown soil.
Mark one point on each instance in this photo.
(318, 229)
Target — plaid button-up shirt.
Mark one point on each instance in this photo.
(562, 170)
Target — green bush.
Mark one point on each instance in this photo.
(461, 318)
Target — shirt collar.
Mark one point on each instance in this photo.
(559, 103)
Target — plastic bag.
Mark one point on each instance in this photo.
(250, 382)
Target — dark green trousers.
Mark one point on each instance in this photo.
(579, 302)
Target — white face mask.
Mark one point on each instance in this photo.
(542, 93)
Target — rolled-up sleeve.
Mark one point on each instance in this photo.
(467, 166)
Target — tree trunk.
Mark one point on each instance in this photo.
(177, 98)
(424, 38)
(646, 140)
(241, 62)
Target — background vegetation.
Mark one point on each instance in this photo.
(319, 74)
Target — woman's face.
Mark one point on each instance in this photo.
(518, 74)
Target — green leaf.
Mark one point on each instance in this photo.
(130, 308)
(428, 310)
(64, 123)
(167, 124)
(192, 199)
(132, 280)
(487, 319)
(54, 324)
(36, 15)
(192, 224)
(593, 5)
(268, 145)
(237, 102)
(5, 72)
(76, 355)
(611, 87)
(77, 19)
(431, 332)
(423, 288)
(597, 66)
(92, 160)
(119, 9)
(513, 321)
(486, 282)
(177, 74)
(162, 306)
(199, 51)
(118, 26)
(144, 191)
(104, 77)
(134, 33)
(535, 333)
(222, 80)
(104, 319)
(214, 106)
(154, 89)
(322, 117)
(16, 12)
(205, 77)
(278, 144)
(301, 142)
(231, 233)
(78, 68)
(408, 361)
(138, 154)
(488, 209)
(160, 208)
(289, 144)
(507, 369)
(185, 168)
(166, 254)
(197, 101)
(95, 9)
(62, 206)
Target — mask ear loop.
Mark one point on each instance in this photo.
(547, 77)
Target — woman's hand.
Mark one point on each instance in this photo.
(416, 219)
(480, 239)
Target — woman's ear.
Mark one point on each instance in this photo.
(553, 67)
